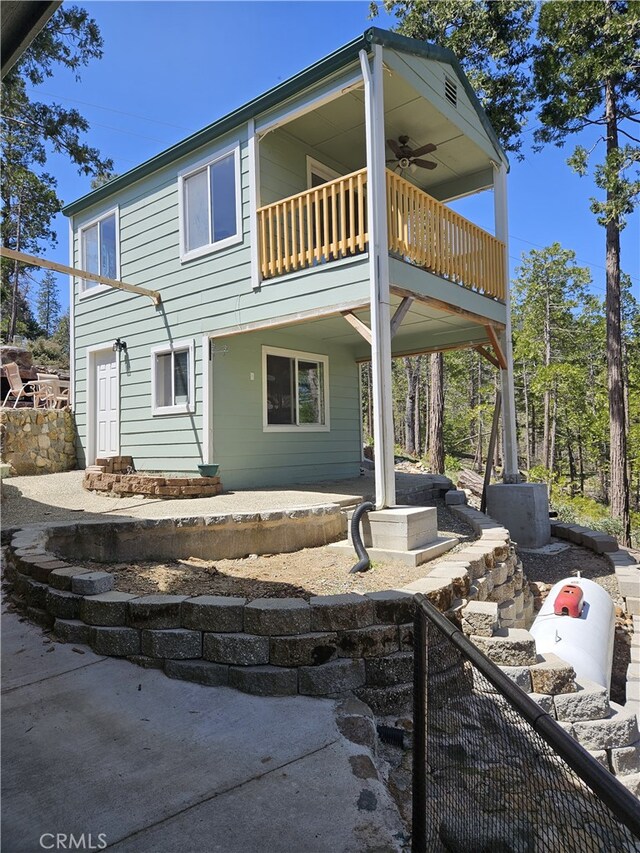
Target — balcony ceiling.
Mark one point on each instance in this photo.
(336, 130)
(423, 329)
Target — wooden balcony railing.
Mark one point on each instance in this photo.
(330, 222)
(322, 224)
(431, 235)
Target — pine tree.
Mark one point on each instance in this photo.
(48, 304)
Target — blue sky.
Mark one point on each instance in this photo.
(170, 68)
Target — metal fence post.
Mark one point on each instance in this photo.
(419, 793)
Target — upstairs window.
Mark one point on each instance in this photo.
(295, 391)
(210, 198)
(172, 379)
(99, 249)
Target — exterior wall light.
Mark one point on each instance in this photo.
(119, 346)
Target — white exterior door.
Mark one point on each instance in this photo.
(107, 404)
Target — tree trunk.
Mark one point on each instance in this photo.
(477, 459)
(15, 287)
(552, 435)
(417, 439)
(436, 415)
(412, 371)
(546, 436)
(527, 443)
(619, 487)
(581, 463)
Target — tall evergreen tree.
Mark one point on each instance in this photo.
(29, 131)
(48, 304)
(586, 75)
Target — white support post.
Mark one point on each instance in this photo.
(254, 202)
(379, 279)
(207, 374)
(72, 320)
(510, 472)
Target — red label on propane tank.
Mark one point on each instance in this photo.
(569, 601)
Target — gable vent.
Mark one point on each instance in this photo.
(450, 91)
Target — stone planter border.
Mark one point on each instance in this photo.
(329, 646)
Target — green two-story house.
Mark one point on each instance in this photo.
(289, 241)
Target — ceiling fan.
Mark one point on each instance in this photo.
(405, 157)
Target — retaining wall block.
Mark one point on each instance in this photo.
(106, 608)
(626, 759)
(41, 570)
(601, 543)
(392, 606)
(553, 675)
(633, 605)
(63, 604)
(341, 612)
(629, 583)
(601, 756)
(236, 649)
(35, 593)
(155, 611)
(507, 612)
(395, 668)
(72, 631)
(632, 783)
(61, 578)
(40, 617)
(92, 583)
(545, 701)
(397, 699)
(480, 618)
(618, 730)
(437, 590)
(215, 613)
(589, 702)
(303, 649)
(376, 641)
(509, 647)
(200, 671)
(520, 675)
(457, 575)
(264, 680)
(277, 616)
(174, 643)
(118, 642)
(336, 676)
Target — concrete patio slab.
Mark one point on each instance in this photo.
(95, 745)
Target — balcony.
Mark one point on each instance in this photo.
(329, 222)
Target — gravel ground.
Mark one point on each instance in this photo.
(60, 497)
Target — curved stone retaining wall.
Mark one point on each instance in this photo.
(322, 647)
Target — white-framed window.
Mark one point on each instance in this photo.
(100, 250)
(295, 391)
(318, 173)
(173, 379)
(210, 204)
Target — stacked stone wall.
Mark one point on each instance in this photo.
(151, 485)
(38, 441)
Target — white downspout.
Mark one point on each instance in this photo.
(510, 472)
(379, 280)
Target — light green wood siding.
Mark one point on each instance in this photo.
(250, 456)
(204, 296)
(283, 166)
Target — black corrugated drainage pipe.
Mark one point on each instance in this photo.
(364, 563)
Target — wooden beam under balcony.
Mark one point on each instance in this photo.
(495, 343)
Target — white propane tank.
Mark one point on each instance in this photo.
(586, 642)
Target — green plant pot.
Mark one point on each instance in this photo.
(208, 470)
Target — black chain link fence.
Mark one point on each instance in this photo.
(492, 771)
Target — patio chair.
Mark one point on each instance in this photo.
(19, 389)
(52, 393)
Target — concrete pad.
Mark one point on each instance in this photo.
(294, 807)
(26, 655)
(107, 747)
(417, 557)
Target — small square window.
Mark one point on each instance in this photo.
(295, 391)
(211, 206)
(173, 379)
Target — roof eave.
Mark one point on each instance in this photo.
(309, 76)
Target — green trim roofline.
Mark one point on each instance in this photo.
(313, 74)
